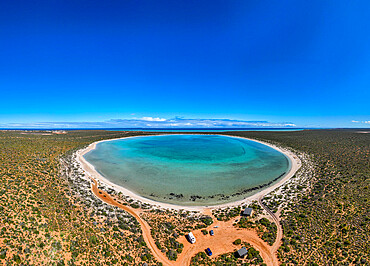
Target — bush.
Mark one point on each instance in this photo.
(3, 254)
(135, 206)
(93, 240)
(207, 220)
(17, 259)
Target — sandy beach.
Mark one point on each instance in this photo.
(91, 171)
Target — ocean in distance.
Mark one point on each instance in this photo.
(158, 129)
(192, 170)
(204, 129)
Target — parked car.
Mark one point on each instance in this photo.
(211, 233)
(209, 252)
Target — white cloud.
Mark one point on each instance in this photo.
(156, 119)
(362, 122)
(154, 122)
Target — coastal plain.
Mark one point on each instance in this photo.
(54, 213)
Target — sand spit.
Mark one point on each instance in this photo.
(91, 171)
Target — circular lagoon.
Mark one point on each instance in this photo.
(189, 169)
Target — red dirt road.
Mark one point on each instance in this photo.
(102, 195)
(220, 243)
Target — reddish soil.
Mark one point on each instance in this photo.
(220, 243)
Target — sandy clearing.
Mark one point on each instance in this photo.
(222, 242)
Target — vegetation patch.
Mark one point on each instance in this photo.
(328, 222)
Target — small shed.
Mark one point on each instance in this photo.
(247, 212)
(242, 252)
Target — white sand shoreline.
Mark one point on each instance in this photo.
(90, 170)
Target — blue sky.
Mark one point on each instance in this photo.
(271, 63)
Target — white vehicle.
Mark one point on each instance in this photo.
(191, 238)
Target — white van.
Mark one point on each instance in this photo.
(191, 238)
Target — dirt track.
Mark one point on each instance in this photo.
(220, 243)
(279, 232)
(144, 226)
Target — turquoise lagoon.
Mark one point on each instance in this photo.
(189, 169)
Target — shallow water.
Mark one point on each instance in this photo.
(189, 169)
